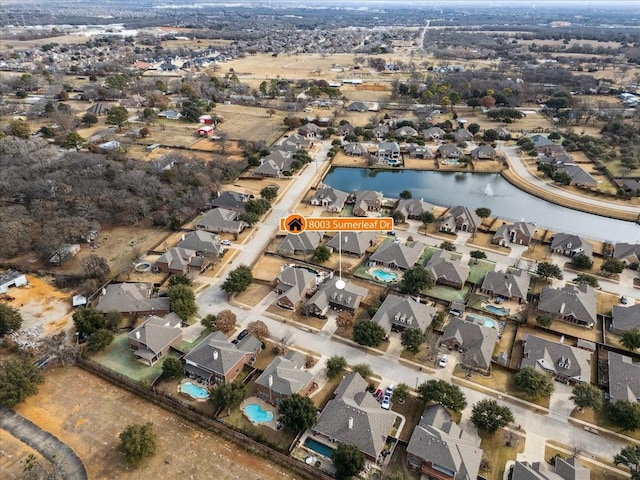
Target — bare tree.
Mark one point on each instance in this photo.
(258, 329)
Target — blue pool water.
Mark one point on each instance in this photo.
(194, 391)
(385, 276)
(318, 447)
(497, 310)
(480, 320)
(256, 414)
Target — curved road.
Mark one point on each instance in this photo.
(67, 463)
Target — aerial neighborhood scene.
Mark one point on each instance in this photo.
(310, 240)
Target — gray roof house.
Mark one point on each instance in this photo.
(181, 261)
(276, 164)
(449, 151)
(231, 200)
(420, 151)
(345, 129)
(358, 107)
(221, 220)
(573, 304)
(380, 131)
(366, 201)
(309, 130)
(292, 285)
(629, 253)
(624, 378)
(460, 218)
(484, 152)
(388, 150)
(440, 449)
(154, 337)
(476, 342)
(354, 417)
(433, 133)
(302, 243)
(447, 271)
(405, 131)
(463, 135)
(569, 245)
(565, 469)
(413, 207)
(519, 233)
(329, 296)
(283, 377)
(132, 299)
(562, 361)
(508, 285)
(203, 243)
(353, 243)
(355, 149)
(330, 198)
(399, 313)
(625, 318)
(402, 256)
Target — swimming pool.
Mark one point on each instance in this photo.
(318, 447)
(480, 320)
(194, 391)
(497, 310)
(384, 276)
(256, 414)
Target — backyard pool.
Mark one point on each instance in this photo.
(500, 311)
(318, 447)
(384, 276)
(256, 414)
(194, 391)
(480, 320)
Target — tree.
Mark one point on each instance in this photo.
(297, 413)
(335, 365)
(624, 414)
(478, 255)
(489, 416)
(89, 320)
(488, 102)
(586, 279)
(179, 280)
(172, 367)
(416, 279)
(95, 266)
(88, 120)
(483, 212)
(406, 194)
(118, 116)
(258, 329)
(137, 442)
(227, 395)
(225, 321)
(99, 340)
(344, 320)
(545, 319)
(321, 254)
(269, 193)
(10, 319)
(533, 384)
(631, 339)
(209, 321)
(20, 128)
(363, 369)
(73, 140)
(348, 461)
(629, 456)
(448, 246)
(19, 379)
(183, 301)
(612, 266)
(412, 338)
(490, 135)
(426, 218)
(546, 270)
(582, 261)
(587, 396)
(473, 128)
(446, 394)
(398, 216)
(238, 280)
(401, 392)
(368, 333)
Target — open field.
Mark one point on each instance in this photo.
(19, 45)
(88, 414)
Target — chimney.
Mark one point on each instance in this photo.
(215, 354)
(562, 307)
(104, 291)
(137, 334)
(350, 423)
(562, 339)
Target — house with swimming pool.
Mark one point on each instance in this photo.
(512, 286)
(474, 342)
(399, 256)
(283, 377)
(399, 313)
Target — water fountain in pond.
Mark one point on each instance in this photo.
(488, 191)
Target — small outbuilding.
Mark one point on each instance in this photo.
(205, 131)
(11, 278)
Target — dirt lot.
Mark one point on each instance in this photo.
(88, 414)
(12, 457)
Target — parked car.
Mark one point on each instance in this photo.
(378, 394)
(243, 334)
(389, 390)
(391, 233)
(386, 402)
(623, 300)
(226, 242)
(443, 361)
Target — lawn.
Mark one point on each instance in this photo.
(398, 466)
(322, 396)
(254, 294)
(186, 347)
(479, 270)
(412, 410)
(448, 294)
(497, 453)
(599, 419)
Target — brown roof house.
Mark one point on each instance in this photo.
(475, 342)
(367, 201)
(354, 417)
(446, 271)
(573, 304)
(519, 233)
(399, 313)
(401, 256)
(283, 377)
(508, 285)
(292, 285)
(330, 198)
(354, 244)
(441, 450)
(460, 218)
(624, 378)
(218, 361)
(221, 220)
(449, 152)
(300, 244)
(329, 296)
(625, 318)
(570, 245)
(153, 339)
(132, 299)
(564, 362)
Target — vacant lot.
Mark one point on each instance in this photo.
(88, 414)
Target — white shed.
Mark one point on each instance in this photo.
(11, 278)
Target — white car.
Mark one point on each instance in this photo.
(226, 242)
(389, 390)
(443, 361)
(386, 402)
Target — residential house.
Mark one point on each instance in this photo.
(388, 151)
(300, 244)
(420, 151)
(330, 198)
(447, 271)
(309, 130)
(463, 135)
(329, 296)
(564, 469)
(98, 109)
(475, 342)
(573, 304)
(221, 220)
(345, 130)
(276, 164)
(354, 417)
(180, 261)
(405, 131)
(380, 131)
(132, 299)
(433, 134)
(399, 313)
(460, 218)
(413, 207)
(503, 133)
(216, 360)
(511, 286)
(540, 141)
(170, 115)
(205, 244)
(629, 186)
(563, 162)
(629, 253)
(624, 378)
(564, 362)
(354, 244)
(358, 107)
(12, 278)
(292, 286)
(283, 377)
(484, 152)
(295, 142)
(401, 256)
(441, 450)
(519, 233)
(625, 318)
(449, 152)
(153, 339)
(355, 150)
(231, 200)
(367, 201)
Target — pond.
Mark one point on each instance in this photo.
(490, 190)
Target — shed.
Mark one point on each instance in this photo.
(11, 278)
(206, 119)
(205, 131)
